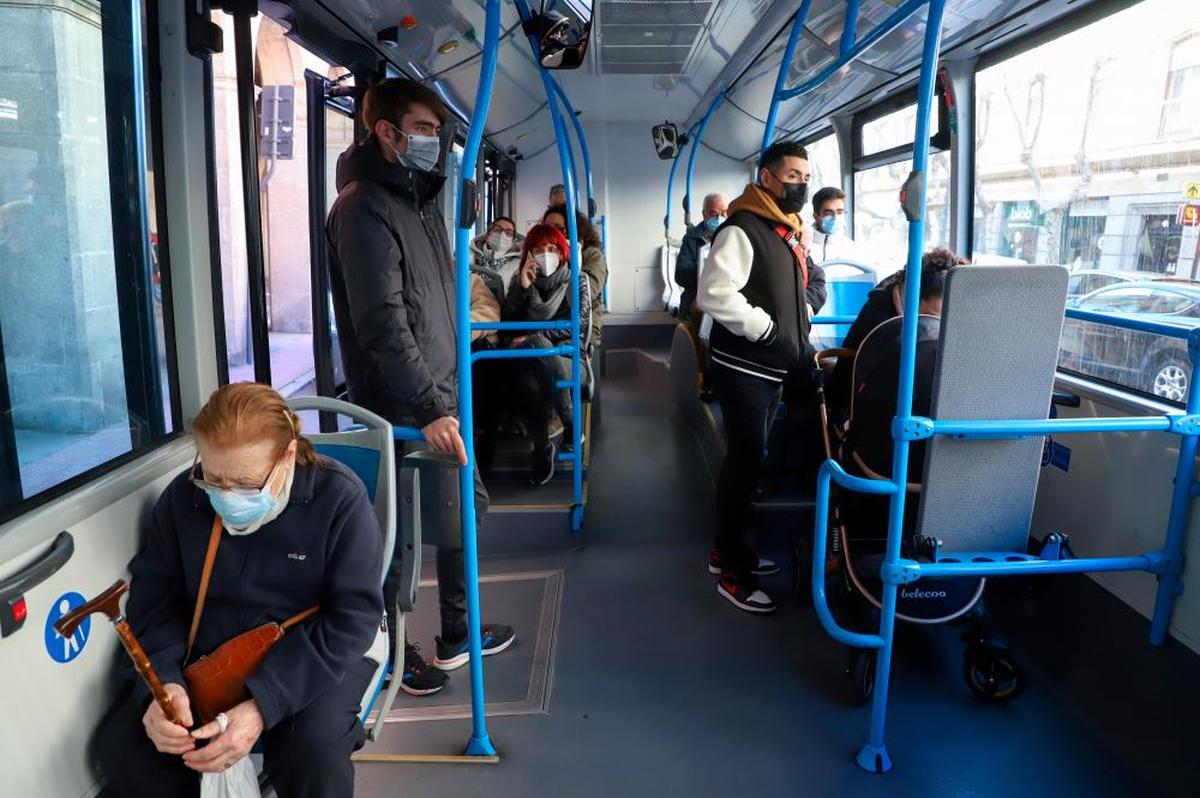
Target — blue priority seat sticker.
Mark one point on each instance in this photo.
(64, 649)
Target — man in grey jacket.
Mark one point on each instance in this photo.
(392, 277)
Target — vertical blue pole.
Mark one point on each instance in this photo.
(874, 756)
(789, 52)
(1180, 517)
(583, 148)
(849, 28)
(696, 148)
(604, 246)
(564, 160)
(479, 744)
(671, 184)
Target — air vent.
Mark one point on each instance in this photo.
(649, 37)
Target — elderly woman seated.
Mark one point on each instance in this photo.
(291, 530)
(540, 292)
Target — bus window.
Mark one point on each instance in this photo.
(879, 222)
(824, 160)
(84, 375)
(1086, 156)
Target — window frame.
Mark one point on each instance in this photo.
(122, 113)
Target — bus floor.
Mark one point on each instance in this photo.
(659, 687)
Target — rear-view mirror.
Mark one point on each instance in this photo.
(563, 28)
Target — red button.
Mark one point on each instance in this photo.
(19, 611)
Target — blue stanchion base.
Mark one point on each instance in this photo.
(480, 746)
(576, 518)
(874, 759)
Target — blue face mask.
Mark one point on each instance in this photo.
(241, 510)
(831, 224)
(713, 223)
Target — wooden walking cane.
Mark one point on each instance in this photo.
(109, 603)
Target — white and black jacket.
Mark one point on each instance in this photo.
(756, 294)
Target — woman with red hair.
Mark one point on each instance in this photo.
(540, 291)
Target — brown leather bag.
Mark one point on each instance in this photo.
(217, 682)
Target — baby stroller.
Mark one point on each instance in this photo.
(862, 446)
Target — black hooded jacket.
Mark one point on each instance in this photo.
(393, 288)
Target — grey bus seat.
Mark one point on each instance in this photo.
(429, 514)
(997, 355)
(368, 450)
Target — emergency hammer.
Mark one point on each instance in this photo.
(109, 603)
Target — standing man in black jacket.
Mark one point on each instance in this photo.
(758, 288)
(393, 296)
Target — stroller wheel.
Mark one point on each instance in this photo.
(992, 673)
(862, 675)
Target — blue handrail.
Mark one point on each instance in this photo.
(789, 53)
(583, 148)
(604, 247)
(564, 159)
(671, 183)
(479, 744)
(691, 167)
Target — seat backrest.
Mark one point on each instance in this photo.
(997, 356)
(368, 451)
(848, 284)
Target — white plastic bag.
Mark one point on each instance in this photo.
(237, 781)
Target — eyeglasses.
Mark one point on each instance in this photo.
(239, 490)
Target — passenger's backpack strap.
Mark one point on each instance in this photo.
(210, 556)
(793, 243)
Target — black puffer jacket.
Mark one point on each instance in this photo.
(393, 288)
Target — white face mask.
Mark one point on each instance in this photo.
(423, 151)
(500, 242)
(547, 262)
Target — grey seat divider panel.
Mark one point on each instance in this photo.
(996, 360)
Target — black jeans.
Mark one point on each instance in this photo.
(534, 394)
(451, 567)
(748, 405)
(305, 756)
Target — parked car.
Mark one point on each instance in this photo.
(1138, 360)
(1088, 280)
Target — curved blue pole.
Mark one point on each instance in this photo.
(583, 148)
(849, 28)
(604, 246)
(874, 755)
(687, 194)
(789, 53)
(671, 183)
(479, 744)
(564, 160)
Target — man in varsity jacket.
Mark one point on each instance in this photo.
(760, 288)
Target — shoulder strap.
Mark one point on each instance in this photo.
(299, 617)
(793, 243)
(210, 556)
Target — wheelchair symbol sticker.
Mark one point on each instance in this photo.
(64, 649)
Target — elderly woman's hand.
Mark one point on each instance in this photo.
(168, 737)
(226, 747)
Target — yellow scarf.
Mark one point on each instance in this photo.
(759, 202)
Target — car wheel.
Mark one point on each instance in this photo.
(1169, 379)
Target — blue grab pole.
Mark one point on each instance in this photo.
(691, 167)
(583, 148)
(564, 150)
(604, 247)
(479, 744)
(849, 28)
(874, 756)
(671, 184)
(1178, 521)
(789, 53)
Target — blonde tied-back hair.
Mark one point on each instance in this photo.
(249, 412)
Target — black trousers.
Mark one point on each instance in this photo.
(748, 405)
(533, 391)
(451, 566)
(305, 756)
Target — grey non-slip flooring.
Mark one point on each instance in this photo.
(660, 688)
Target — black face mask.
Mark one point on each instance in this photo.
(794, 197)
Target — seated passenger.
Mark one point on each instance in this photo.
(495, 256)
(295, 530)
(540, 292)
(885, 301)
(868, 444)
(830, 241)
(592, 264)
(485, 309)
(558, 195)
(687, 262)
